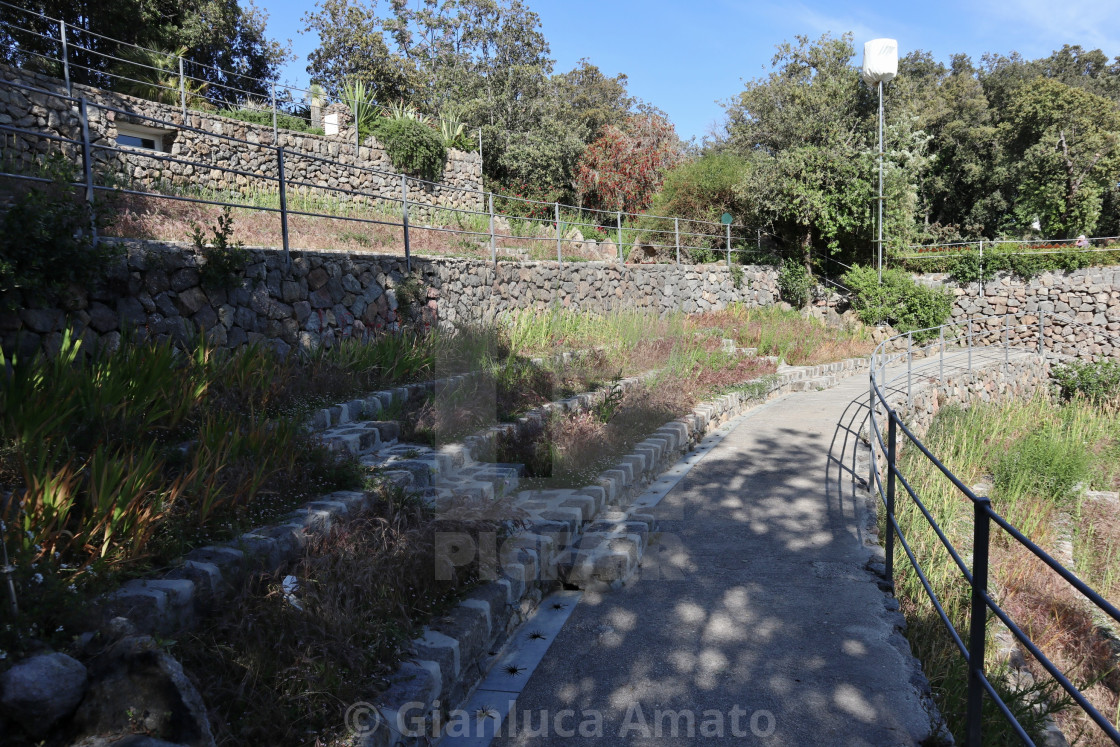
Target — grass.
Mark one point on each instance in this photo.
(360, 224)
(1032, 458)
(627, 336)
(336, 623)
(120, 462)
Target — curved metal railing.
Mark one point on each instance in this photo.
(893, 373)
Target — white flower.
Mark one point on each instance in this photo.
(37, 578)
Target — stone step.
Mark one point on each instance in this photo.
(610, 551)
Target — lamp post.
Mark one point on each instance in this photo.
(880, 65)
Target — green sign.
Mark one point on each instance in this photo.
(726, 219)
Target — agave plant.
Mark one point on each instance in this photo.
(360, 100)
(452, 132)
(403, 110)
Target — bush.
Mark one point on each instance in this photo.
(225, 261)
(264, 117)
(1099, 381)
(46, 235)
(898, 301)
(414, 148)
(701, 190)
(795, 283)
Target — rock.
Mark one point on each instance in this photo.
(137, 686)
(132, 740)
(41, 691)
(42, 320)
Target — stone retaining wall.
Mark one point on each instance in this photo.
(318, 160)
(1089, 296)
(326, 296)
(1022, 377)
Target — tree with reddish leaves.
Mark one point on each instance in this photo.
(624, 166)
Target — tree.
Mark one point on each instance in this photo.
(1065, 144)
(703, 189)
(805, 129)
(226, 39)
(352, 49)
(624, 166)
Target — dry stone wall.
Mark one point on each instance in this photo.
(313, 163)
(1081, 308)
(156, 291)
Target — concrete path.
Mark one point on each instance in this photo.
(755, 621)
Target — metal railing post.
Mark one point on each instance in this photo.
(909, 367)
(980, 280)
(404, 222)
(618, 219)
(969, 344)
(87, 166)
(978, 620)
(1041, 325)
(493, 244)
(559, 252)
(182, 90)
(728, 244)
(941, 357)
(65, 58)
(677, 234)
(275, 135)
(283, 206)
(892, 453)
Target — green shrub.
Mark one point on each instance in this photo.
(701, 190)
(1097, 381)
(264, 117)
(224, 260)
(413, 147)
(898, 301)
(1045, 464)
(795, 283)
(46, 235)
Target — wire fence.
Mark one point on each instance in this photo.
(961, 348)
(208, 167)
(77, 55)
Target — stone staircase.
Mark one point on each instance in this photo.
(578, 536)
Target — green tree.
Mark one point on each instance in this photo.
(225, 37)
(805, 129)
(1065, 144)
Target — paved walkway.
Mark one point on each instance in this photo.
(755, 621)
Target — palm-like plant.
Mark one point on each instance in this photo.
(154, 75)
(360, 100)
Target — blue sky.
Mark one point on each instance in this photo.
(686, 56)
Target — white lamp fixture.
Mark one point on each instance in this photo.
(880, 65)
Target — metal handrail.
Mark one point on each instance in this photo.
(984, 516)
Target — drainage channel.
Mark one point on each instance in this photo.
(480, 718)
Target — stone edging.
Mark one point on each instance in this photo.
(591, 539)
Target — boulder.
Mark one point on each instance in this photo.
(135, 686)
(42, 690)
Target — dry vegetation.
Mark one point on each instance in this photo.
(1037, 457)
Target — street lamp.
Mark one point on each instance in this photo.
(880, 65)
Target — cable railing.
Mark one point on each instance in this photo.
(105, 62)
(896, 365)
(267, 177)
